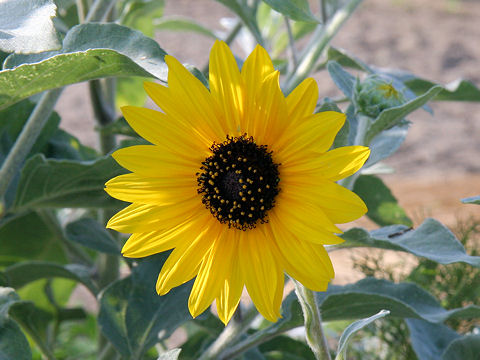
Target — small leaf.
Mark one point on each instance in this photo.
(382, 206)
(393, 116)
(26, 26)
(352, 329)
(141, 15)
(472, 200)
(429, 341)
(285, 348)
(90, 51)
(170, 355)
(386, 143)
(343, 58)
(91, 234)
(431, 240)
(65, 183)
(344, 80)
(464, 348)
(294, 9)
(20, 274)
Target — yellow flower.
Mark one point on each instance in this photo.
(239, 182)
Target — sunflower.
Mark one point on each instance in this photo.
(239, 182)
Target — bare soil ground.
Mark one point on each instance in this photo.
(439, 163)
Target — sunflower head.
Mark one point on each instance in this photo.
(239, 181)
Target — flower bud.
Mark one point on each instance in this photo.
(374, 94)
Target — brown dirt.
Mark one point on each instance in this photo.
(437, 39)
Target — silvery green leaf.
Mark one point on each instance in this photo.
(344, 80)
(90, 51)
(88, 232)
(464, 348)
(429, 341)
(352, 329)
(386, 143)
(431, 240)
(26, 26)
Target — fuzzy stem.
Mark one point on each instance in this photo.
(291, 43)
(318, 42)
(313, 322)
(236, 327)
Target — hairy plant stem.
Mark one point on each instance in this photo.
(313, 322)
(291, 42)
(318, 43)
(236, 327)
(29, 134)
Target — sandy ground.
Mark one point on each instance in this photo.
(439, 163)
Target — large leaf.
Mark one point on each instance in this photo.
(431, 240)
(25, 237)
(370, 295)
(13, 344)
(464, 348)
(286, 348)
(20, 274)
(90, 51)
(429, 341)
(393, 116)
(91, 234)
(170, 355)
(133, 317)
(26, 26)
(352, 329)
(382, 206)
(295, 9)
(65, 183)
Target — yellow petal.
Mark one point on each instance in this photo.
(211, 275)
(314, 134)
(153, 242)
(156, 191)
(263, 275)
(255, 69)
(302, 214)
(268, 120)
(204, 113)
(143, 218)
(184, 261)
(151, 161)
(307, 262)
(162, 130)
(302, 101)
(342, 162)
(226, 85)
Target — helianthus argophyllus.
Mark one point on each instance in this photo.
(239, 182)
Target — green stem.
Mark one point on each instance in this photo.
(234, 32)
(229, 335)
(30, 132)
(99, 10)
(313, 322)
(291, 43)
(317, 44)
(323, 10)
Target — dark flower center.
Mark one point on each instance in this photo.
(239, 182)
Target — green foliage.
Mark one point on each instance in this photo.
(58, 263)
